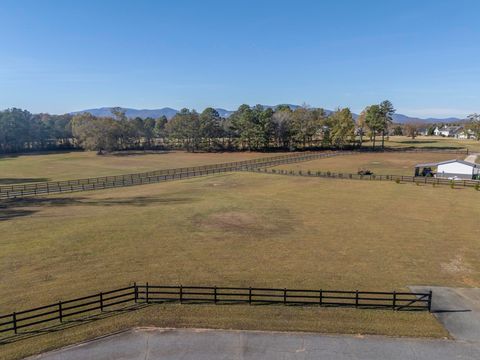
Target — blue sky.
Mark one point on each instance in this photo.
(61, 56)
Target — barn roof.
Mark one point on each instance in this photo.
(448, 162)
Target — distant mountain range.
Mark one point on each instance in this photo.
(131, 113)
(169, 113)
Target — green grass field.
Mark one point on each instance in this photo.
(74, 165)
(245, 229)
(379, 163)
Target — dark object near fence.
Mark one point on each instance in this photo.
(397, 178)
(364, 172)
(100, 302)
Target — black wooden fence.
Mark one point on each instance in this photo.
(105, 182)
(62, 311)
(397, 178)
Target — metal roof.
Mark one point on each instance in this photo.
(448, 162)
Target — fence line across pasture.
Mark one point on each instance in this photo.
(350, 176)
(98, 303)
(105, 182)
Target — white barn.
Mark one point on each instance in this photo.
(452, 169)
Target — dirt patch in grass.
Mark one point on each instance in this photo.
(236, 221)
(456, 265)
(233, 219)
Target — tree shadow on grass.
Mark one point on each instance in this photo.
(139, 153)
(13, 208)
(417, 142)
(13, 181)
(11, 214)
(426, 148)
(37, 153)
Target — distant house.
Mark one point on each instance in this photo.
(451, 169)
(466, 134)
(447, 131)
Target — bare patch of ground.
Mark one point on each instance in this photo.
(457, 265)
(239, 221)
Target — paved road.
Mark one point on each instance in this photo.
(169, 344)
(458, 309)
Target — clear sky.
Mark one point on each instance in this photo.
(61, 56)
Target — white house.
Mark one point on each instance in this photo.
(451, 169)
(447, 131)
(466, 134)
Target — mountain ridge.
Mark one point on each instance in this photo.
(170, 112)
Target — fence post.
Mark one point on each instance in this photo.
(430, 301)
(285, 296)
(321, 298)
(215, 294)
(146, 292)
(14, 316)
(181, 294)
(356, 298)
(135, 292)
(60, 311)
(250, 295)
(394, 302)
(101, 301)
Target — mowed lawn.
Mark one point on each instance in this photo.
(73, 165)
(378, 163)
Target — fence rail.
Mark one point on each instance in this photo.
(105, 182)
(373, 177)
(137, 293)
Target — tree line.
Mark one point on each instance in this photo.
(23, 131)
(256, 128)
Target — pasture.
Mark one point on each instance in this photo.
(380, 163)
(246, 229)
(28, 168)
(240, 228)
(428, 142)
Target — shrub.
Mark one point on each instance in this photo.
(397, 181)
(452, 184)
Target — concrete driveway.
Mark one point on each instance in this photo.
(458, 309)
(472, 158)
(184, 344)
